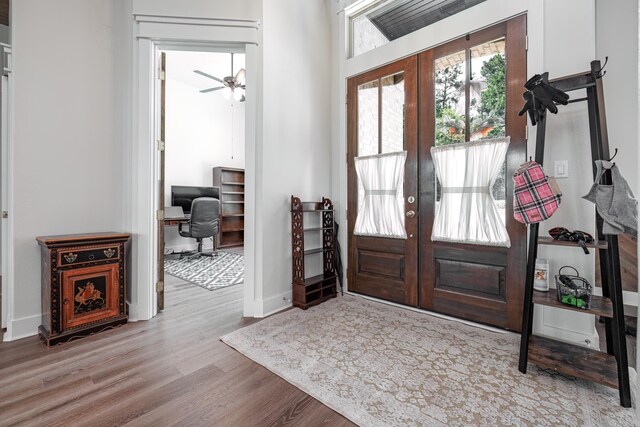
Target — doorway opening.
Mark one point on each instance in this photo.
(201, 182)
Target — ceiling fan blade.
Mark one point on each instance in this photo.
(213, 89)
(240, 76)
(202, 73)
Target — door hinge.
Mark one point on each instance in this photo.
(159, 286)
(5, 214)
(346, 155)
(160, 214)
(160, 145)
(526, 132)
(161, 75)
(526, 42)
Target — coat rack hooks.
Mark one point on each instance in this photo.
(615, 153)
(599, 73)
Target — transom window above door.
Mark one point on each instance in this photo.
(383, 21)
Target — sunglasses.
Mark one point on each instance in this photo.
(580, 237)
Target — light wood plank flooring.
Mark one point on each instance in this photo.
(171, 370)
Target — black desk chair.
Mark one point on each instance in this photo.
(204, 222)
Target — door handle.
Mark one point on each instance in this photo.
(410, 214)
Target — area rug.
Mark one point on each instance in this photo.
(380, 365)
(225, 269)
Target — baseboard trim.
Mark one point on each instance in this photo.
(572, 337)
(274, 304)
(22, 328)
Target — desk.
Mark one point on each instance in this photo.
(176, 221)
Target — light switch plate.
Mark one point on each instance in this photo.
(561, 169)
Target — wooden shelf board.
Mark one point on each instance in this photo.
(315, 291)
(232, 192)
(233, 201)
(600, 306)
(232, 229)
(231, 183)
(314, 302)
(317, 228)
(573, 360)
(316, 251)
(231, 215)
(231, 245)
(314, 280)
(600, 244)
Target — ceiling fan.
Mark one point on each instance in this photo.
(232, 85)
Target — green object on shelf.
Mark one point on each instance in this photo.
(572, 300)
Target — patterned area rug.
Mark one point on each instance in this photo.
(380, 365)
(225, 269)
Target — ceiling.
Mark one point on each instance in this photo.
(402, 17)
(180, 66)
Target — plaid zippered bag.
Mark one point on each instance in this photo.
(536, 196)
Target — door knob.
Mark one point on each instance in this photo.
(410, 214)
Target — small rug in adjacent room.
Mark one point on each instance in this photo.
(380, 365)
(225, 269)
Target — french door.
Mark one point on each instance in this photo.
(382, 116)
(466, 90)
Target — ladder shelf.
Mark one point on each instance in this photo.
(611, 367)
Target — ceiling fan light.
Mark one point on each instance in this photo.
(227, 92)
(237, 94)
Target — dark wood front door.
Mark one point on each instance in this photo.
(464, 90)
(471, 89)
(382, 117)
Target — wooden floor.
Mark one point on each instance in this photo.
(171, 370)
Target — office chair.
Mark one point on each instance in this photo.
(204, 222)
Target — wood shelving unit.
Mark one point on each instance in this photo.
(608, 367)
(309, 291)
(231, 184)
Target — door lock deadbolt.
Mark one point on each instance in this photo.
(411, 199)
(410, 214)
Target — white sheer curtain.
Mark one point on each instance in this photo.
(380, 195)
(467, 212)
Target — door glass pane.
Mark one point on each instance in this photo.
(392, 113)
(368, 118)
(487, 104)
(450, 104)
(450, 98)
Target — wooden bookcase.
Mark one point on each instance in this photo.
(309, 291)
(231, 184)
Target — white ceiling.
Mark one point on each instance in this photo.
(180, 66)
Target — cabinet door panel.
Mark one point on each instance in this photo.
(90, 295)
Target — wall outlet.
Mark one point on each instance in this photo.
(561, 169)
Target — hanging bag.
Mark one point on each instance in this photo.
(536, 196)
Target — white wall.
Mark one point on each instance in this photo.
(67, 170)
(203, 130)
(621, 80)
(297, 128)
(569, 47)
(218, 9)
